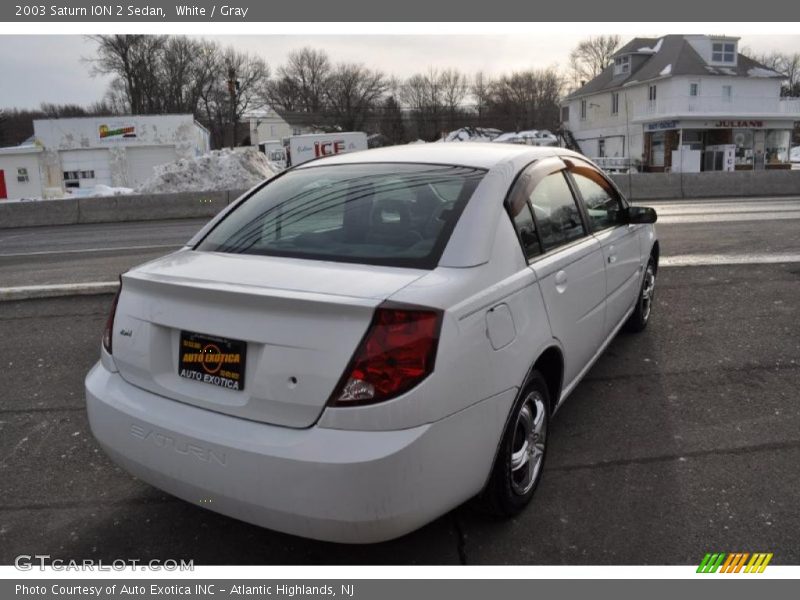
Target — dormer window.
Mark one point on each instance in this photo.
(723, 52)
(622, 65)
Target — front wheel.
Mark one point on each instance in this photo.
(644, 302)
(520, 459)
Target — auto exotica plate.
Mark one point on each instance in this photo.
(212, 360)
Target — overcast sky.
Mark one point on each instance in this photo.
(36, 69)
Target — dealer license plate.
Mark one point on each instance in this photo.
(213, 360)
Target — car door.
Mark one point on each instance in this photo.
(566, 259)
(622, 253)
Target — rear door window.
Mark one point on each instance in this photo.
(371, 213)
(557, 215)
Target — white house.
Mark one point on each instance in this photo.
(20, 172)
(683, 102)
(266, 125)
(84, 152)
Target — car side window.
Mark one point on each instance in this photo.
(602, 202)
(526, 230)
(557, 215)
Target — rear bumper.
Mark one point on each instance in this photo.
(328, 484)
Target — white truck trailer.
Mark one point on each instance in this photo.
(303, 148)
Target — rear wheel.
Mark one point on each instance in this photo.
(644, 303)
(520, 460)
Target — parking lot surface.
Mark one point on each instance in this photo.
(681, 440)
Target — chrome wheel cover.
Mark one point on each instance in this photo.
(648, 289)
(527, 446)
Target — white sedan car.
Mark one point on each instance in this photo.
(364, 342)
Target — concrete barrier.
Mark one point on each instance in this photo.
(186, 205)
(32, 214)
(150, 207)
(658, 186)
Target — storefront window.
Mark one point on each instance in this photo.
(743, 138)
(777, 146)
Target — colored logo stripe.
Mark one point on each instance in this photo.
(734, 562)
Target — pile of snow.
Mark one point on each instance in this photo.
(218, 170)
(531, 137)
(794, 154)
(471, 134)
(98, 191)
(666, 70)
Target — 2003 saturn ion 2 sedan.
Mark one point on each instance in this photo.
(366, 341)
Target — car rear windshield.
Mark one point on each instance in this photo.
(371, 213)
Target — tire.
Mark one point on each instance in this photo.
(644, 301)
(520, 459)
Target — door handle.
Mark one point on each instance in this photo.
(612, 257)
(561, 282)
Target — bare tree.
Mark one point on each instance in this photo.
(307, 69)
(284, 94)
(454, 88)
(784, 63)
(135, 61)
(480, 93)
(391, 121)
(526, 99)
(588, 59)
(352, 92)
(423, 94)
(239, 85)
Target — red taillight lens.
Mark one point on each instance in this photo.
(397, 352)
(109, 330)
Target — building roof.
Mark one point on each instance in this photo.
(669, 56)
(21, 149)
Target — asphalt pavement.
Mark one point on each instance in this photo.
(682, 440)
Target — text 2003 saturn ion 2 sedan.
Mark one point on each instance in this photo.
(365, 342)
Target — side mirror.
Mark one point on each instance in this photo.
(640, 214)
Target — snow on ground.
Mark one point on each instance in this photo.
(98, 191)
(794, 154)
(532, 137)
(471, 134)
(218, 170)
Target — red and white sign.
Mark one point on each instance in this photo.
(303, 148)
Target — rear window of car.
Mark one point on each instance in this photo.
(372, 213)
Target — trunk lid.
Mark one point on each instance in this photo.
(301, 321)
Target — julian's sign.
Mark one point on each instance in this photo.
(735, 124)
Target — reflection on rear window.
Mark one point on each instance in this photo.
(376, 213)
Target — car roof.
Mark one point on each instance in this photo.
(469, 154)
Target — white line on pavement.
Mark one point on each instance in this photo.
(82, 250)
(27, 292)
(702, 260)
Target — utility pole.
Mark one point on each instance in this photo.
(233, 88)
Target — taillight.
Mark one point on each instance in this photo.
(397, 352)
(108, 333)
